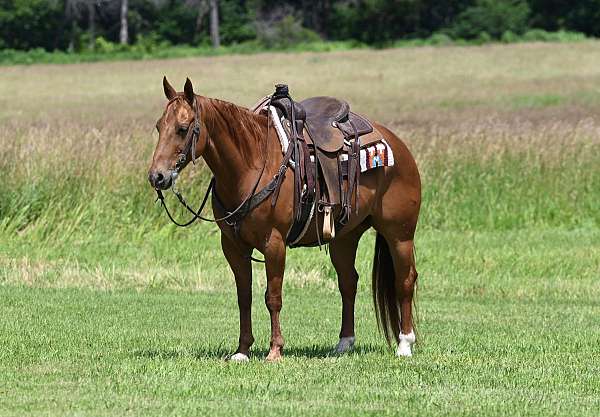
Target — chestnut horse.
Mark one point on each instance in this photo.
(242, 150)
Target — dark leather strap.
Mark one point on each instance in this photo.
(281, 174)
(249, 205)
(191, 140)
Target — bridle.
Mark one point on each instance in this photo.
(191, 141)
(234, 217)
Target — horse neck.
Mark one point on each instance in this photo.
(235, 152)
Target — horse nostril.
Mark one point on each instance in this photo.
(155, 178)
(160, 180)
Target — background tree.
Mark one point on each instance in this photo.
(124, 33)
(75, 24)
(491, 17)
(91, 9)
(215, 36)
(71, 15)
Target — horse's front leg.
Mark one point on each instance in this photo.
(275, 265)
(239, 261)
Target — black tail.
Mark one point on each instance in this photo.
(387, 308)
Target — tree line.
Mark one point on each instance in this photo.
(76, 25)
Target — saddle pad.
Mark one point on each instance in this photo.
(376, 154)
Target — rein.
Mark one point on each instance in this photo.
(234, 217)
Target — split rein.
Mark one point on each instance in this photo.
(231, 218)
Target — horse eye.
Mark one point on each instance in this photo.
(183, 129)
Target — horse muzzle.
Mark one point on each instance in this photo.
(162, 180)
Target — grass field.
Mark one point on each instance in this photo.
(106, 309)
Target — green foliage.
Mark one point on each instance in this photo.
(493, 17)
(237, 25)
(509, 37)
(176, 24)
(28, 24)
(553, 15)
(440, 39)
(386, 20)
(149, 43)
(540, 35)
(31, 24)
(150, 48)
(285, 33)
(105, 47)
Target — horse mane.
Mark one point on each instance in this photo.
(244, 127)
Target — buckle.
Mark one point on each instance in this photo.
(180, 160)
(280, 171)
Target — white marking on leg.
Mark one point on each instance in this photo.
(239, 357)
(345, 344)
(405, 343)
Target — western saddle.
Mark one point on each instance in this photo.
(324, 141)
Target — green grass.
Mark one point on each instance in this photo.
(507, 320)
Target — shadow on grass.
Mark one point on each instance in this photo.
(221, 352)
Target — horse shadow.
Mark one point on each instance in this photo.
(222, 352)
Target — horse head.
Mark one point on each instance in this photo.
(182, 136)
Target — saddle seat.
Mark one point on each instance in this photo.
(329, 121)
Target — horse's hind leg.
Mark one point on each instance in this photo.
(405, 279)
(343, 254)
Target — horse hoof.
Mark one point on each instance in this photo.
(345, 344)
(403, 350)
(239, 357)
(274, 356)
(404, 345)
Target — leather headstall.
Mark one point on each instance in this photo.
(191, 140)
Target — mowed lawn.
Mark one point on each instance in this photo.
(107, 310)
(508, 325)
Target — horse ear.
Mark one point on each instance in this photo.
(169, 90)
(188, 91)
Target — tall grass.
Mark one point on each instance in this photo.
(76, 144)
(504, 176)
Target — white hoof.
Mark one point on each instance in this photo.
(239, 357)
(405, 343)
(345, 344)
